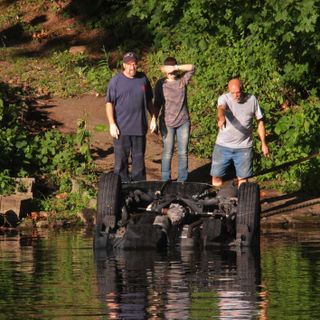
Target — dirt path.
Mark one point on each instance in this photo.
(293, 209)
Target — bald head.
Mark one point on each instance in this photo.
(235, 89)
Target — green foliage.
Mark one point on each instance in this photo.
(55, 159)
(7, 184)
(60, 155)
(297, 136)
(272, 46)
(63, 60)
(70, 69)
(61, 73)
(99, 74)
(66, 207)
(101, 128)
(9, 15)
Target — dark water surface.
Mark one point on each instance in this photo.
(56, 275)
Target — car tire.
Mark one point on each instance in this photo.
(108, 205)
(248, 214)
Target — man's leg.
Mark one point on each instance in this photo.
(138, 148)
(183, 133)
(221, 159)
(243, 163)
(121, 155)
(241, 181)
(168, 136)
(216, 181)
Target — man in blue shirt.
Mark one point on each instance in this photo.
(128, 98)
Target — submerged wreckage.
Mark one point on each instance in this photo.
(157, 214)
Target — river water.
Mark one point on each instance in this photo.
(57, 275)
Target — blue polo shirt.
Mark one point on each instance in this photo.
(129, 97)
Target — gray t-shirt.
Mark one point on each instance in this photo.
(239, 120)
(171, 96)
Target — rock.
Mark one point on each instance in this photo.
(42, 224)
(59, 224)
(76, 186)
(78, 50)
(92, 203)
(19, 202)
(26, 224)
(87, 216)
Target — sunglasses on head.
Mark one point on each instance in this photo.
(129, 55)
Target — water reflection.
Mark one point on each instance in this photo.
(45, 275)
(291, 273)
(57, 275)
(179, 284)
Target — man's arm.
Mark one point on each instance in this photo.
(153, 123)
(158, 97)
(262, 136)
(151, 108)
(114, 131)
(177, 67)
(221, 117)
(109, 112)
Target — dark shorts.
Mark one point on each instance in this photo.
(223, 157)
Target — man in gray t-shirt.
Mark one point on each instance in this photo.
(236, 111)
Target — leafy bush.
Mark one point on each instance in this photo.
(53, 158)
(297, 136)
(272, 46)
(7, 184)
(98, 75)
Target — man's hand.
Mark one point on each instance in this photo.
(114, 131)
(262, 136)
(265, 149)
(153, 124)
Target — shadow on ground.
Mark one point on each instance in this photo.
(98, 153)
(289, 200)
(201, 174)
(37, 117)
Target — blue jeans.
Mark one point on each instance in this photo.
(223, 157)
(123, 147)
(168, 139)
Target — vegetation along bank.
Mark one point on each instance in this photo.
(272, 46)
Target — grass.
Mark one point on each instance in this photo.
(59, 74)
(52, 71)
(55, 72)
(9, 14)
